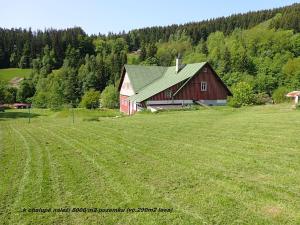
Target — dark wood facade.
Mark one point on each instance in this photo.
(215, 88)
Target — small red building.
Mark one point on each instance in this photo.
(21, 105)
(295, 95)
(157, 87)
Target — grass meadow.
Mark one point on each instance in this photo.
(10, 73)
(210, 166)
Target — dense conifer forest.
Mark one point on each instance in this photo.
(258, 52)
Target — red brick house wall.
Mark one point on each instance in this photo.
(124, 105)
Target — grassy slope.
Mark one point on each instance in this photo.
(132, 58)
(8, 74)
(218, 166)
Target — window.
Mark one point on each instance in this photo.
(205, 70)
(203, 86)
(168, 93)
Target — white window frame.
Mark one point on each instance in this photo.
(203, 86)
(168, 93)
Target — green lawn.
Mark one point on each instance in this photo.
(212, 166)
(10, 73)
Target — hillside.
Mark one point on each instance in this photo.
(15, 42)
(201, 30)
(261, 49)
(218, 166)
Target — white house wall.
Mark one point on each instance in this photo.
(126, 88)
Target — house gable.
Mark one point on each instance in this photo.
(141, 76)
(126, 87)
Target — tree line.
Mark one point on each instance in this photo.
(18, 47)
(201, 30)
(258, 49)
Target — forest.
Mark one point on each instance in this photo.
(257, 54)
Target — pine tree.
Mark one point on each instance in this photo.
(143, 53)
(72, 57)
(48, 61)
(25, 58)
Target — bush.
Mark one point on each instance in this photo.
(7, 93)
(279, 95)
(25, 90)
(55, 101)
(90, 99)
(110, 97)
(262, 98)
(242, 95)
(232, 102)
(40, 100)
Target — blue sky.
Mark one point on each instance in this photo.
(96, 16)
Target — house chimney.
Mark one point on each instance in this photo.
(178, 63)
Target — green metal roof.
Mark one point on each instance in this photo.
(140, 76)
(165, 80)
